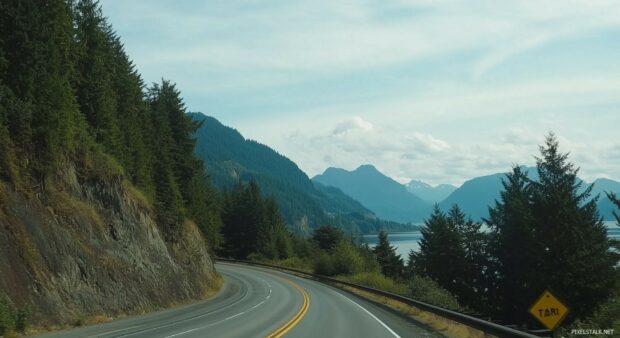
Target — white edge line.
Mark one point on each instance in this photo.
(182, 333)
(373, 316)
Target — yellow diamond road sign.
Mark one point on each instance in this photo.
(549, 310)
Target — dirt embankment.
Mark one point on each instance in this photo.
(88, 248)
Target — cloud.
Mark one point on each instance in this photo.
(326, 37)
(404, 154)
(354, 124)
(439, 91)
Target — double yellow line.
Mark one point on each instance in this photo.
(284, 329)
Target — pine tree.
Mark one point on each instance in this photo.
(473, 267)
(273, 239)
(441, 252)
(243, 217)
(326, 237)
(391, 264)
(168, 197)
(42, 118)
(204, 209)
(514, 247)
(94, 71)
(575, 256)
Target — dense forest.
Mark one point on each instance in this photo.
(72, 100)
(69, 93)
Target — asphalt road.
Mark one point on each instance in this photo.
(258, 302)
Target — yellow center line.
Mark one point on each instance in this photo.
(284, 329)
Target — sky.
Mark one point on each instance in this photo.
(439, 91)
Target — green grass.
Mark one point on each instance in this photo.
(100, 165)
(137, 194)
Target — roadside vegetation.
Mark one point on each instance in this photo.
(541, 234)
(12, 319)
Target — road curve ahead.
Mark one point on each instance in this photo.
(259, 302)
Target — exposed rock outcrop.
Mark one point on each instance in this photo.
(91, 247)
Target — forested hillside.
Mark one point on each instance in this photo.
(231, 159)
(98, 179)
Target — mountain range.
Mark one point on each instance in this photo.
(379, 193)
(230, 159)
(362, 200)
(382, 195)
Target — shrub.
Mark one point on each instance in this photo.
(324, 265)
(7, 316)
(378, 281)
(21, 319)
(427, 290)
(347, 259)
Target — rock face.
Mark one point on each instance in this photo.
(90, 248)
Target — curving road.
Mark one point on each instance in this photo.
(258, 302)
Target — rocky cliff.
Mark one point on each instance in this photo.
(83, 248)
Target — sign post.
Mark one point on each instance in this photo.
(549, 310)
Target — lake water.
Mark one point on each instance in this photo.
(406, 241)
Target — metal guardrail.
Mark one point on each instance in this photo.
(477, 323)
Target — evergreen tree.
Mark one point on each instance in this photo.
(474, 265)
(36, 41)
(243, 217)
(441, 252)
(204, 209)
(573, 247)
(410, 269)
(168, 197)
(391, 264)
(326, 237)
(95, 69)
(514, 247)
(273, 238)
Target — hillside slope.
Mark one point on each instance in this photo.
(230, 158)
(93, 248)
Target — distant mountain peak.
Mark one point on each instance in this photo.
(367, 167)
(381, 194)
(418, 184)
(429, 193)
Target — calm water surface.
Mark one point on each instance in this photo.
(406, 241)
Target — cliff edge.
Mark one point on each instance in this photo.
(86, 248)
